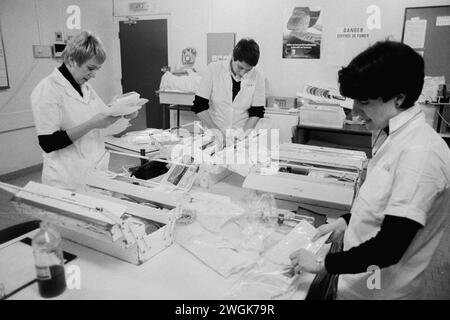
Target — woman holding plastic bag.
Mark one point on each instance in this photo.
(69, 115)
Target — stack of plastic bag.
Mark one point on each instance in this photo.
(126, 104)
(123, 105)
(184, 83)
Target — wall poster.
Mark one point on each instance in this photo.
(302, 33)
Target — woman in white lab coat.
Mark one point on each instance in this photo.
(232, 92)
(69, 115)
(399, 214)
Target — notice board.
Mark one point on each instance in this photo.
(219, 46)
(427, 30)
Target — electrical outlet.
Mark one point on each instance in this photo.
(58, 37)
(40, 51)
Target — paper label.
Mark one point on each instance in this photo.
(415, 33)
(43, 272)
(443, 21)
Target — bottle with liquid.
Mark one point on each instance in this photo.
(49, 261)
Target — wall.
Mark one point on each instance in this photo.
(263, 20)
(28, 22)
(187, 26)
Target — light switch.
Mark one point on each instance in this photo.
(41, 51)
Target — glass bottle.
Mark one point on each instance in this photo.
(49, 261)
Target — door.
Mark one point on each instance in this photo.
(143, 50)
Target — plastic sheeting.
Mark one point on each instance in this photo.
(225, 236)
(272, 276)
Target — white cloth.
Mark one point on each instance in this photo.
(217, 87)
(409, 176)
(56, 105)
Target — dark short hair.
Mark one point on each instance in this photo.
(246, 50)
(384, 70)
(83, 47)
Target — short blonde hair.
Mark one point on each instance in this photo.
(84, 47)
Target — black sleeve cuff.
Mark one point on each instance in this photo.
(200, 104)
(346, 217)
(331, 263)
(55, 141)
(383, 250)
(256, 112)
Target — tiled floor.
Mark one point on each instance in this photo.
(437, 277)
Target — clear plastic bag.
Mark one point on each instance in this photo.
(273, 277)
(299, 238)
(224, 238)
(262, 206)
(265, 281)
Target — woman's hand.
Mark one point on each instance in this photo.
(337, 228)
(131, 115)
(101, 121)
(304, 260)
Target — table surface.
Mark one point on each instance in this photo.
(173, 274)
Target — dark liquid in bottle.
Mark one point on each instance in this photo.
(56, 285)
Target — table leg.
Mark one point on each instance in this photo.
(165, 107)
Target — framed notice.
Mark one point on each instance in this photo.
(4, 83)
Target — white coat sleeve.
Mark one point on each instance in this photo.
(417, 184)
(259, 96)
(45, 103)
(206, 84)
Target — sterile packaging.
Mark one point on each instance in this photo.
(272, 277)
(125, 104)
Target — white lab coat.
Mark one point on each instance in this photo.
(216, 86)
(409, 176)
(56, 105)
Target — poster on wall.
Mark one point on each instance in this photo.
(302, 33)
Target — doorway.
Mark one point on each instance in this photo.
(143, 51)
